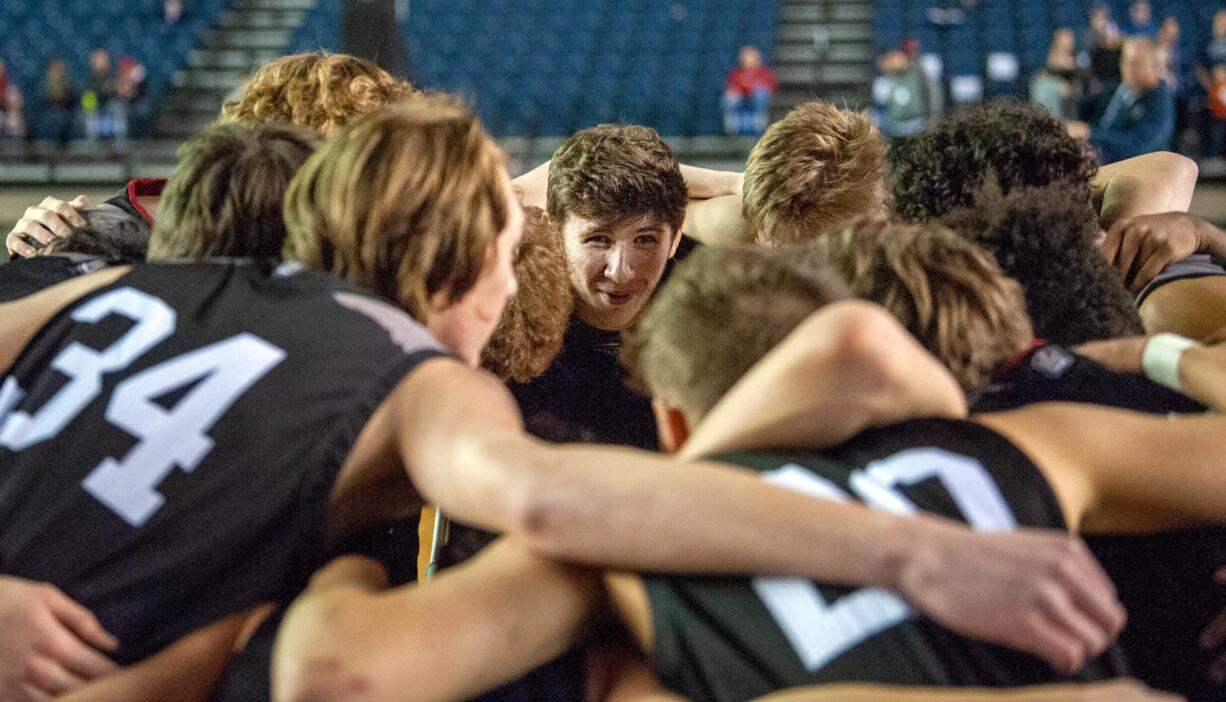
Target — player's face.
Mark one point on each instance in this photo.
(614, 269)
(466, 325)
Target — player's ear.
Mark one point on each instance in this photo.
(672, 251)
(671, 423)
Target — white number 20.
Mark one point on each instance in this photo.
(820, 632)
(221, 373)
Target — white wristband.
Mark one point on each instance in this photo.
(1160, 359)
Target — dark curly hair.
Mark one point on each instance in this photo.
(1044, 239)
(941, 170)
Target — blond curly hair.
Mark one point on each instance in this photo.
(318, 90)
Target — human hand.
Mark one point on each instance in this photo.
(52, 219)
(1037, 591)
(50, 644)
(1141, 247)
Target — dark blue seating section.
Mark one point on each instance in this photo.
(551, 67)
(34, 31)
(1021, 27)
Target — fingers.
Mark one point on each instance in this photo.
(1093, 594)
(1110, 245)
(33, 694)
(18, 246)
(47, 676)
(82, 622)
(66, 211)
(80, 202)
(1130, 247)
(1042, 638)
(77, 647)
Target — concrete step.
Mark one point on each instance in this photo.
(815, 73)
(851, 12)
(806, 52)
(234, 59)
(273, 5)
(812, 12)
(208, 79)
(261, 19)
(834, 31)
(256, 39)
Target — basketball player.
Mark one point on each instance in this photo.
(137, 372)
(728, 638)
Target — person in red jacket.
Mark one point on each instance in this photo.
(747, 96)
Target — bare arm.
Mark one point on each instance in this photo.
(848, 367)
(1122, 471)
(21, 319)
(473, 627)
(185, 671)
(1194, 307)
(1149, 184)
(717, 221)
(1123, 690)
(1202, 369)
(702, 184)
(608, 506)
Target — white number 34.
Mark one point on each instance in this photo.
(221, 373)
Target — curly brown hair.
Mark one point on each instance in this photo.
(318, 90)
(816, 167)
(943, 169)
(530, 333)
(946, 291)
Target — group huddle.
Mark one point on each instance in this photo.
(830, 429)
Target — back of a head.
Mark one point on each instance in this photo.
(611, 173)
(1044, 239)
(109, 233)
(720, 312)
(405, 202)
(317, 90)
(225, 196)
(943, 168)
(529, 335)
(811, 170)
(947, 292)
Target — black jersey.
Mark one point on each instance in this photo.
(1164, 580)
(1052, 373)
(585, 396)
(27, 276)
(168, 442)
(735, 638)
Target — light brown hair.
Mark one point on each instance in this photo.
(405, 202)
(611, 173)
(720, 312)
(947, 292)
(815, 168)
(317, 90)
(225, 196)
(529, 335)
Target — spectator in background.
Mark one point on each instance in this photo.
(1178, 74)
(1101, 44)
(14, 114)
(1215, 50)
(172, 11)
(4, 86)
(1216, 127)
(906, 107)
(1141, 20)
(1138, 116)
(747, 96)
(96, 100)
(128, 100)
(1058, 85)
(59, 101)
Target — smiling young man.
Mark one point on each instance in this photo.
(619, 196)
